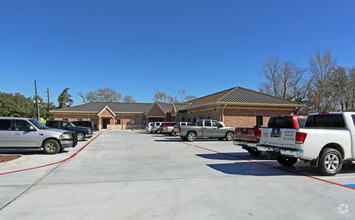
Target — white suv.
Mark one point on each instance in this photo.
(148, 128)
(156, 126)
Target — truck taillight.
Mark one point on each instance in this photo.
(257, 132)
(300, 137)
(179, 129)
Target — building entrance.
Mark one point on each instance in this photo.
(105, 122)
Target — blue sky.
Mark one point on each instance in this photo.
(139, 47)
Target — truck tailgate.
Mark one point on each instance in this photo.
(246, 134)
(279, 137)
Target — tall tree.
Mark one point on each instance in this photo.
(16, 105)
(189, 98)
(172, 99)
(321, 67)
(64, 99)
(182, 93)
(284, 79)
(101, 95)
(160, 96)
(129, 99)
(350, 102)
(339, 85)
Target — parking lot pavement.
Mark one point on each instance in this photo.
(133, 175)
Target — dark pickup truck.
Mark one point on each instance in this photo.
(248, 138)
(81, 132)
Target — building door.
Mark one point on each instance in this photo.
(105, 122)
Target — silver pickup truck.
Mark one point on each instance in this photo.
(206, 128)
(27, 133)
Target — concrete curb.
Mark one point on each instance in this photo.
(11, 162)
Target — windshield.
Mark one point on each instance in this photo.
(37, 124)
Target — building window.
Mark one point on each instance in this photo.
(94, 121)
(194, 120)
(118, 121)
(132, 122)
(144, 122)
(259, 120)
(183, 119)
(188, 120)
(65, 119)
(79, 119)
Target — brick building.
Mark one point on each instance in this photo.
(235, 107)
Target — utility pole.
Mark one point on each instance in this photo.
(37, 106)
(49, 114)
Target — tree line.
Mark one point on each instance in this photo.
(322, 86)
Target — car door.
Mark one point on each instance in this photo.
(6, 134)
(219, 131)
(208, 129)
(23, 135)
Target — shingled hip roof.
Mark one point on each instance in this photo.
(240, 95)
(114, 106)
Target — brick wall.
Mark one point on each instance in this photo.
(212, 113)
(76, 116)
(247, 117)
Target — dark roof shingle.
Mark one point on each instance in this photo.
(114, 106)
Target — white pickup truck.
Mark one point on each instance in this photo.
(326, 141)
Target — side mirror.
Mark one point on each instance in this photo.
(32, 128)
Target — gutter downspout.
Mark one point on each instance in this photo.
(223, 112)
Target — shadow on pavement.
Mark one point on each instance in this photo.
(29, 152)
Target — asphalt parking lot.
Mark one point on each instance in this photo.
(134, 175)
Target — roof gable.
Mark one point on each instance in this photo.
(106, 110)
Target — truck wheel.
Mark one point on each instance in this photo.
(229, 136)
(51, 147)
(330, 162)
(287, 161)
(191, 136)
(254, 151)
(80, 136)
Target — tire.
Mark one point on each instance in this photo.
(229, 136)
(330, 162)
(80, 136)
(254, 151)
(191, 136)
(51, 147)
(287, 161)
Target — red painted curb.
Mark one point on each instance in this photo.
(263, 164)
(50, 164)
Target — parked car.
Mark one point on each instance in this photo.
(87, 124)
(149, 127)
(156, 126)
(206, 128)
(176, 127)
(326, 141)
(28, 133)
(167, 128)
(81, 132)
(248, 138)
